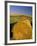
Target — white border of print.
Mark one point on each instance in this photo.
(8, 23)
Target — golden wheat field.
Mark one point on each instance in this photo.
(21, 27)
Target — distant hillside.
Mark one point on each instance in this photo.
(16, 18)
(20, 15)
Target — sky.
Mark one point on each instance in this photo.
(27, 10)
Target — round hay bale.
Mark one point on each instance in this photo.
(22, 30)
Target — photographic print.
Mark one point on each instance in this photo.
(20, 22)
